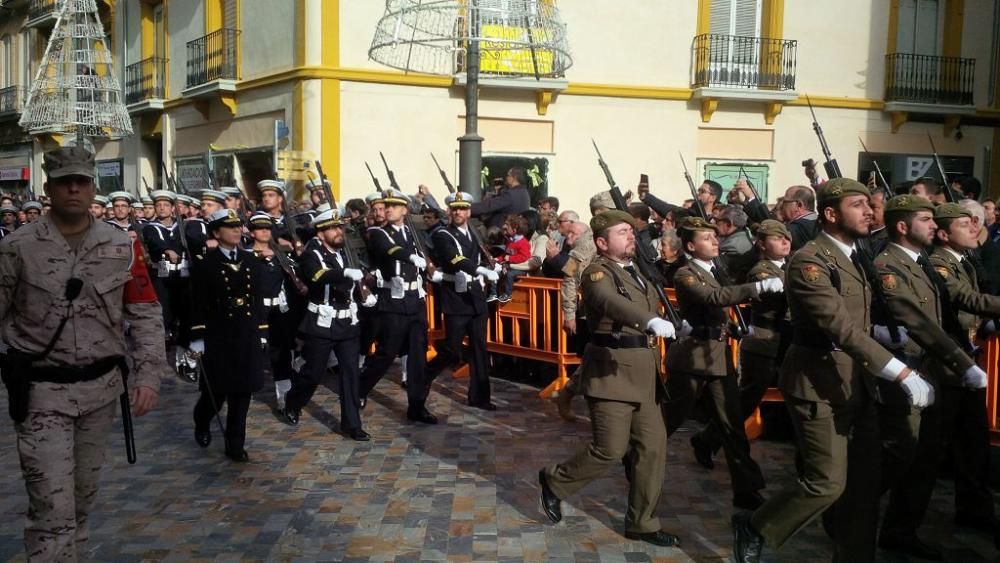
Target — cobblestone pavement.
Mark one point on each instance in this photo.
(464, 490)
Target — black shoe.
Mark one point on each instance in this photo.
(702, 452)
(658, 537)
(423, 415)
(986, 524)
(358, 435)
(911, 546)
(291, 416)
(203, 437)
(748, 501)
(190, 374)
(363, 402)
(402, 384)
(551, 505)
(747, 543)
(487, 406)
(240, 456)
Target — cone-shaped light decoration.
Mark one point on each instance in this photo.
(76, 90)
(516, 37)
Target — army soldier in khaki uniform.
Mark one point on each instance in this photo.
(68, 284)
(917, 299)
(826, 379)
(762, 350)
(700, 361)
(621, 383)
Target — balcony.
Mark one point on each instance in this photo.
(743, 68)
(927, 85)
(12, 100)
(42, 13)
(146, 85)
(213, 64)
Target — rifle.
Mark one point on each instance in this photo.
(417, 241)
(720, 268)
(487, 256)
(378, 186)
(350, 256)
(742, 174)
(949, 196)
(644, 259)
(172, 182)
(878, 171)
(831, 166)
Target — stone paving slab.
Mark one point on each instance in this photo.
(464, 490)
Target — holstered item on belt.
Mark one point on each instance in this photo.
(622, 341)
(15, 368)
(708, 333)
(812, 339)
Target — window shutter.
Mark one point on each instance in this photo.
(229, 17)
(746, 20)
(720, 19)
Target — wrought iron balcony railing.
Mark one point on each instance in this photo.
(146, 80)
(213, 57)
(733, 61)
(40, 8)
(926, 79)
(12, 99)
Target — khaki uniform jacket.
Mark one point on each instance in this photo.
(35, 265)
(963, 288)
(769, 312)
(704, 303)
(580, 257)
(914, 303)
(619, 374)
(828, 298)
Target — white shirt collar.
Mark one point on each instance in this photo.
(707, 266)
(846, 249)
(778, 263)
(957, 256)
(913, 255)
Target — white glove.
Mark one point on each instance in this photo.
(197, 346)
(497, 267)
(918, 391)
(263, 342)
(418, 261)
(686, 329)
(437, 276)
(488, 273)
(750, 330)
(354, 274)
(974, 378)
(370, 301)
(881, 335)
(770, 285)
(660, 327)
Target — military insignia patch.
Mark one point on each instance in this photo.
(763, 275)
(597, 276)
(945, 272)
(810, 272)
(889, 282)
(687, 281)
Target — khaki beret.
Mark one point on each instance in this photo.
(770, 227)
(693, 224)
(607, 219)
(838, 188)
(951, 211)
(908, 204)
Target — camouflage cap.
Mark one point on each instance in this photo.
(951, 211)
(69, 161)
(697, 224)
(770, 227)
(838, 188)
(908, 204)
(610, 218)
(602, 199)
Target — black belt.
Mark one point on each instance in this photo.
(74, 374)
(812, 339)
(622, 341)
(708, 333)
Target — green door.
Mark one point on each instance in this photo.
(726, 174)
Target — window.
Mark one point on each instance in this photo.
(735, 17)
(918, 27)
(25, 66)
(159, 33)
(7, 72)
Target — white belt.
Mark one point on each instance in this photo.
(171, 267)
(338, 313)
(271, 302)
(451, 278)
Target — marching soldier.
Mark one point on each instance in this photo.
(621, 383)
(8, 218)
(463, 300)
(272, 202)
(701, 362)
(68, 283)
(97, 206)
(761, 351)
(369, 317)
(330, 325)
(234, 198)
(403, 311)
(121, 208)
(199, 239)
(281, 301)
(148, 209)
(32, 211)
(827, 381)
(230, 332)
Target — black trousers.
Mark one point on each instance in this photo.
(174, 294)
(236, 416)
(456, 328)
(316, 353)
(965, 433)
(369, 321)
(400, 335)
(723, 397)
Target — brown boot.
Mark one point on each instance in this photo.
(564, 402)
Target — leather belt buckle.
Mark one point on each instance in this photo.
(651, 341)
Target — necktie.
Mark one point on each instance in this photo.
(933, 276)
(635, 275)
(856, 260)
(977, 272)
(715, 273)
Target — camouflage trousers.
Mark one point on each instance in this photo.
(61, 458)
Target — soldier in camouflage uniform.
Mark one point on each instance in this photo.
(74, 349)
